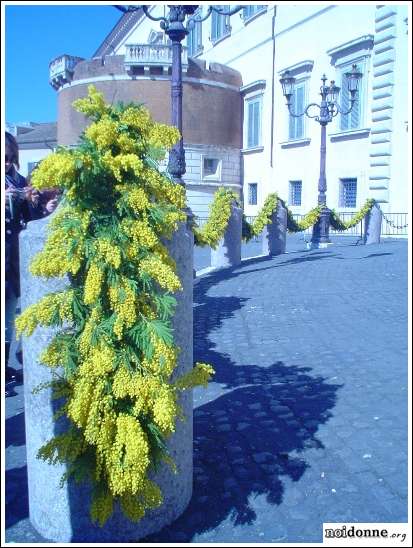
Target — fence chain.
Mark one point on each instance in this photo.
(391, 223)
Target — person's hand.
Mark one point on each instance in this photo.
(51, 205)
(32, 195)
(11, 191)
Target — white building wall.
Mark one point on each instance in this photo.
(249, 49)
(400, 180)
(308, 33)
(309, 39)
(140, 34)
(202, 186)
(27, 156)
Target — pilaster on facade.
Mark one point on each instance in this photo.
(383, 63)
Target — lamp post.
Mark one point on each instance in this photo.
(176, 30)
(328, 109)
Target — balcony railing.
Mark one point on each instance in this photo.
(152, 55)
(61, 70)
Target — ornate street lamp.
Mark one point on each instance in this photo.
(328, 109)
(176, 30)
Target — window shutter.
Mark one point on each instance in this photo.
(299, 129)
(355, 114)
(345, 103)
(190, 43)
(250, 123)
(198, 27)
(214, 25)
(296, 125)
(246, 11)
(256, 123)
(291, 127)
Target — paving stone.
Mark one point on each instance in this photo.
(230, 483)
(260, 458)
(317, 339)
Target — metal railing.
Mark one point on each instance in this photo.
(346, 216)
(152, 55)
(394, 224)
(200, 221)
(250, 219)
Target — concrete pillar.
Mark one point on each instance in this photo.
(275, 233)
(62, 514)
(228, 251)
(372, 225)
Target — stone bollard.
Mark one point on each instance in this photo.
(228, 251)
(274, 234)
(372, 225)
(62, 514)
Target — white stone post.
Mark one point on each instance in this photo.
(372, 225)
(274, 233)
(62, 514)
(228, 251)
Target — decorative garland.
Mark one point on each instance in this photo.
(220, 211)
(113, 356)
(263, 218)
(219, 214)
(309, 219)
(340, 225)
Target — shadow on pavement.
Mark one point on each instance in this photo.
(250, 437)
(17, 502)
(15, 433)
(233, 272)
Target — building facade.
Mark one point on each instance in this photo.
(35, 140)
(237, 130)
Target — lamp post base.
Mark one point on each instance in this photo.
(320, 237)
(318, 245)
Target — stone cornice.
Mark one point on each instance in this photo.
(303, 67)
(365, 42)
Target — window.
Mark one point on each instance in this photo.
(219, 24)
(252, 193)
(295, 193)
(250, 11)
(253, 133)
(296, 125)
(348, 193)
(352, 120)
(211, 168)
(194, 39)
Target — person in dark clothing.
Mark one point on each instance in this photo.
(21, 204)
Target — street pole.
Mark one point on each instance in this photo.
(328, 109)
(321, 228)
(174, 27)
(176, 32)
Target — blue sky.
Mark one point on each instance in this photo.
(34, 35)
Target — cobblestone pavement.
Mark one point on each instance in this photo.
(306, 419)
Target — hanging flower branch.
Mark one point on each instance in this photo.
(263, 218)
(219, 214)
(309, 220)
(340, 225)
(113, 355)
